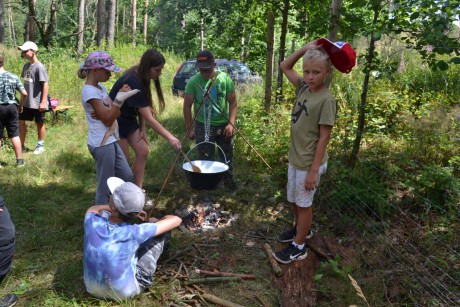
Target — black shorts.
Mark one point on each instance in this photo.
(9, 119)
(32, 114)
(126, 126)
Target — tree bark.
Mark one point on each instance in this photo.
(81, 26)
(362, 108)
(2, 21)
(282, 50)
(269, 60)
(11, 25)
(201, 33)
(134, 21)
(111, 23)
(334, 26)
(146, 20)
(29, 33)
(101, 17)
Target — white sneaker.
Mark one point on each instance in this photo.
(39, 150)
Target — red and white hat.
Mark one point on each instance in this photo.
(342, 55)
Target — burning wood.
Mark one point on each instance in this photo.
(205, 216)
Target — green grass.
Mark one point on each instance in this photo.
(48, 198)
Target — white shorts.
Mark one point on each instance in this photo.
(296, 192)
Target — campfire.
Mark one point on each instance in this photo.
(205, 215)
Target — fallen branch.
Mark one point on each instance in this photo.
(215, 300)
(178, 253)
(276, 268)
(211, 279)
(209, 273)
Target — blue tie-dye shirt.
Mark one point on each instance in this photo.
(110, 257)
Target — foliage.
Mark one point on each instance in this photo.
(438, 189)
(268, 134)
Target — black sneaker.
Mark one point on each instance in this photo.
(8, 300)
(289, 235)
(25, 149)
(20, 163)
(290, 254)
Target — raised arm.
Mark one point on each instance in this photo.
(287, 66)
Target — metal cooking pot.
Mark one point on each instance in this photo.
(211, 174)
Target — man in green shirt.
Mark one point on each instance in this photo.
(215, 119)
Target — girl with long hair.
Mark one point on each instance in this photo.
(140, 110)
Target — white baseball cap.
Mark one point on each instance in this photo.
(28, 46)
(127, 197)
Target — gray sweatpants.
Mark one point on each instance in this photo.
(148, 254)
(110, 162)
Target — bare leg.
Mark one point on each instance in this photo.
(141, 151)
(16, 142)
(125, 147)
(41, 131)
(295, 212)
(22, 131)
(304, 220)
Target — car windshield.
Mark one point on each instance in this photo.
(241, 68)
(188, 68)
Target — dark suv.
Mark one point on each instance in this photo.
(240, 74)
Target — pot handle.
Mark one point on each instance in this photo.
(225, 157)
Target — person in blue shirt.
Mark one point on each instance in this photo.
(120, 258)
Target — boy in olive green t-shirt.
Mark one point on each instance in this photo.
(313, 116)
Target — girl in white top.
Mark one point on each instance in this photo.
(101, 116)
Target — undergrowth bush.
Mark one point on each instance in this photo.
(268, 134)
(362, 188)
(437, 189)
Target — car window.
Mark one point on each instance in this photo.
(223, 67)
(188, 68)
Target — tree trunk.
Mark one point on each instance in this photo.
(362, 108)
(282, 51)
(111, 23)
(101, 17)
(11, 25)
(2, 21)
(146, 14)
(81, 26)
(269, 60)
(134, 20)
(334, 28)
(29, 33)
(201, 34)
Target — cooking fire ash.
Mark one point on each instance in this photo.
(205, 216)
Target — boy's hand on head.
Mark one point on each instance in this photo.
(311, 44)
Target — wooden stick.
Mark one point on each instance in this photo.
(178, 253)
(229, 274)
(215, 300)
(211, 279)
(276, 268)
